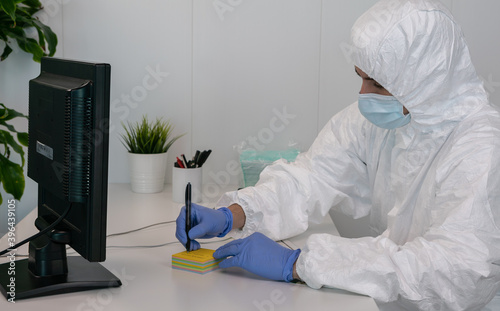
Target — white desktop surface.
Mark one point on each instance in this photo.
(150, 283)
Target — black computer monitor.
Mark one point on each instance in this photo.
(68, 158)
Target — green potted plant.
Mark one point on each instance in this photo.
(16, 16)
(147, 143)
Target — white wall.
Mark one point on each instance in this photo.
(227, 69)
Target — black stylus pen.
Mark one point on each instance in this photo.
(188, 215)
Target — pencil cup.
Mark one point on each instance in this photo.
(180, 178)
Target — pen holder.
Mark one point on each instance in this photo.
(180, 178)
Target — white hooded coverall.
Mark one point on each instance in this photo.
(431, 188)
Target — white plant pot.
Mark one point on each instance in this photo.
(147, 172)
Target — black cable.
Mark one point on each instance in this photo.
(283, 241)
(139, 229)
(164, 244)
(44, 231)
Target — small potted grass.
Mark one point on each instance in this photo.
(147, 143)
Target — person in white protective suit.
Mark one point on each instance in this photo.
(419, 152)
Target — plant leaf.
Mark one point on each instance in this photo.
(15, 17)
(12, 177)
(8, 126)
(31, 46)
(6, 51)
(9, 140)
(7, 114)
(26, 44)
(33, 3)
(49, 36)
(4, 143)
(9, 7)
(23, 139)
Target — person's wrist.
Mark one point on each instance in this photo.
(294, 273)
(239, 217)
(229, 221)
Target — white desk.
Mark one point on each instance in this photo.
(149, 282)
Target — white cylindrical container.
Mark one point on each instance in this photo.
(180, 178)
(147, 172)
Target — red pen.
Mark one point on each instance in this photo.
(180, 163)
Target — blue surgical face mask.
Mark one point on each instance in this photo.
(383, 111)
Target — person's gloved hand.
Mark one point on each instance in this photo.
(205, 223)
(260, 255)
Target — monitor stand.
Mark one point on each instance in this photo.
(48, 271)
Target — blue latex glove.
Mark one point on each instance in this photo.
(260, 255)
(205, 223)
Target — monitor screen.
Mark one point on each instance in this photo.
(68, 158)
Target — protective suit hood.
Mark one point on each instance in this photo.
(389, 46)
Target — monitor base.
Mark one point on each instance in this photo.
(82, 275)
